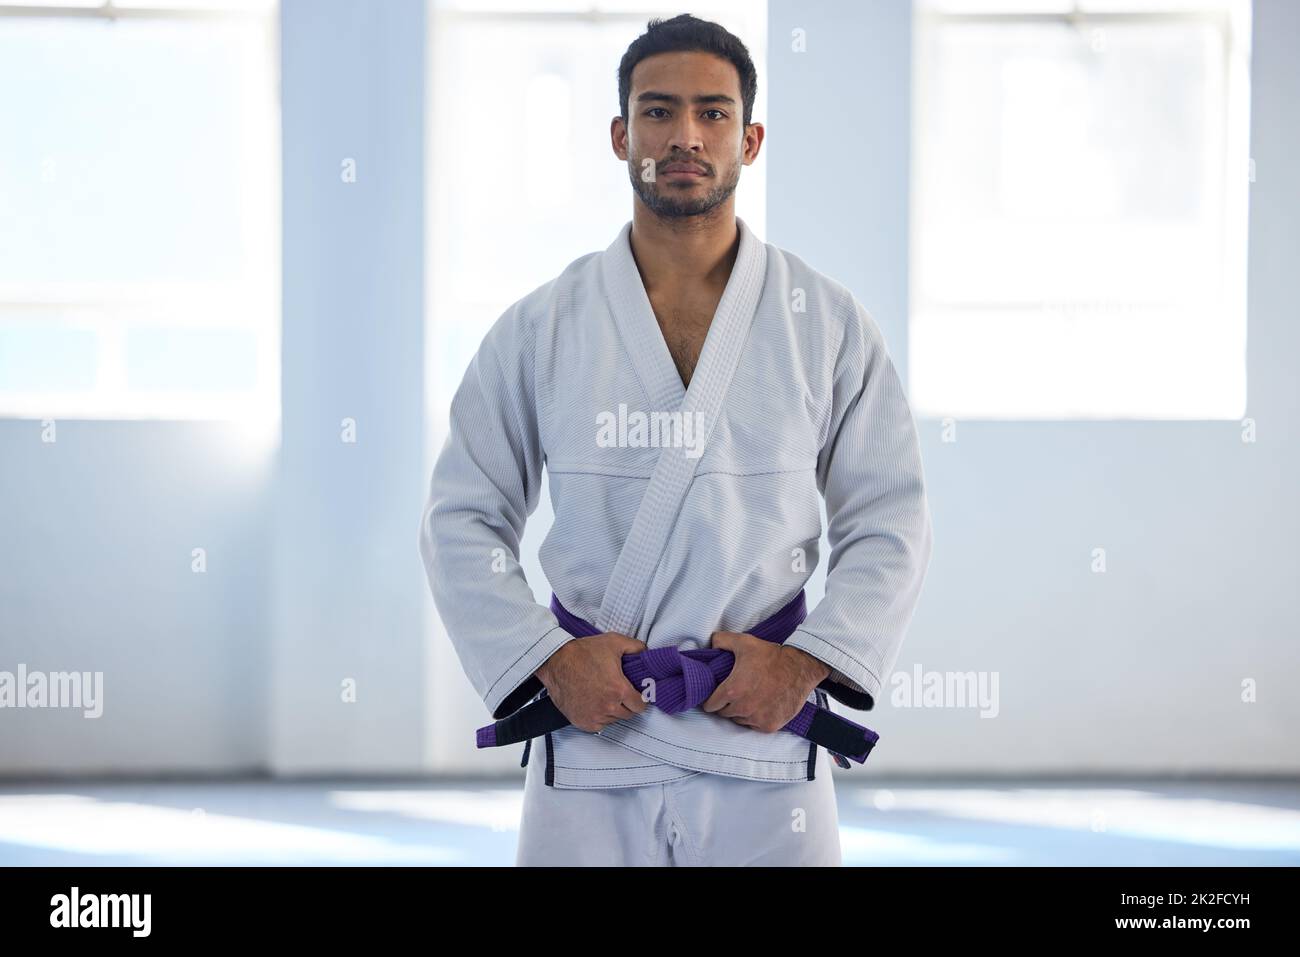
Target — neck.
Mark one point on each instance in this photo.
(672, 253)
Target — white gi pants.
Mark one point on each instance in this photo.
(709, 820)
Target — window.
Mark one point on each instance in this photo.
(139, 210)
(522, 179)
(1079, 207)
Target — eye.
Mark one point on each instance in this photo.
(720, 116)
(655, 109)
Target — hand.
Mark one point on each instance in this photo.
(768, 684)
(586, 681)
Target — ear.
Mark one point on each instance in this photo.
(618, 137)
(754, 134)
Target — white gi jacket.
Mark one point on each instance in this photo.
(797, 396)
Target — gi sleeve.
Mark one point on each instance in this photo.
(484, 486)
(879, 528)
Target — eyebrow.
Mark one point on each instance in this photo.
(673, 98)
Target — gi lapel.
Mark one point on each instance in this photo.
(656, 516)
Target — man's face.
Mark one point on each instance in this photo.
(685, 138)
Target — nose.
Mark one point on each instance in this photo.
(686, 135)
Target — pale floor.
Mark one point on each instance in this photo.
(1163, 823)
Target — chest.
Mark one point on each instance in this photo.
(600, 386)
(685, 323)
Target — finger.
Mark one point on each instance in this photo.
(733, 688)
(630, 646)
(720, 698)
(633, 702)
(625, 709)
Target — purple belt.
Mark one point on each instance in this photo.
(685, 679)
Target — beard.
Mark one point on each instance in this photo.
(664, 202)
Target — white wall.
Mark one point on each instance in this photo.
(1138, 669)
(96, 533)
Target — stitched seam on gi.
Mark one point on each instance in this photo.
(628, 767)
(642, 784)
(721, 754)
(670, 780)
(524, 655)
(595, 468)
(791, 471)
(851, 658)
(598, 468)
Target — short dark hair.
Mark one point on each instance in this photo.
(685, 33)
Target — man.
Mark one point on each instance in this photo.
(691, 391)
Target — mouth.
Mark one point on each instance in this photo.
(682, 169)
